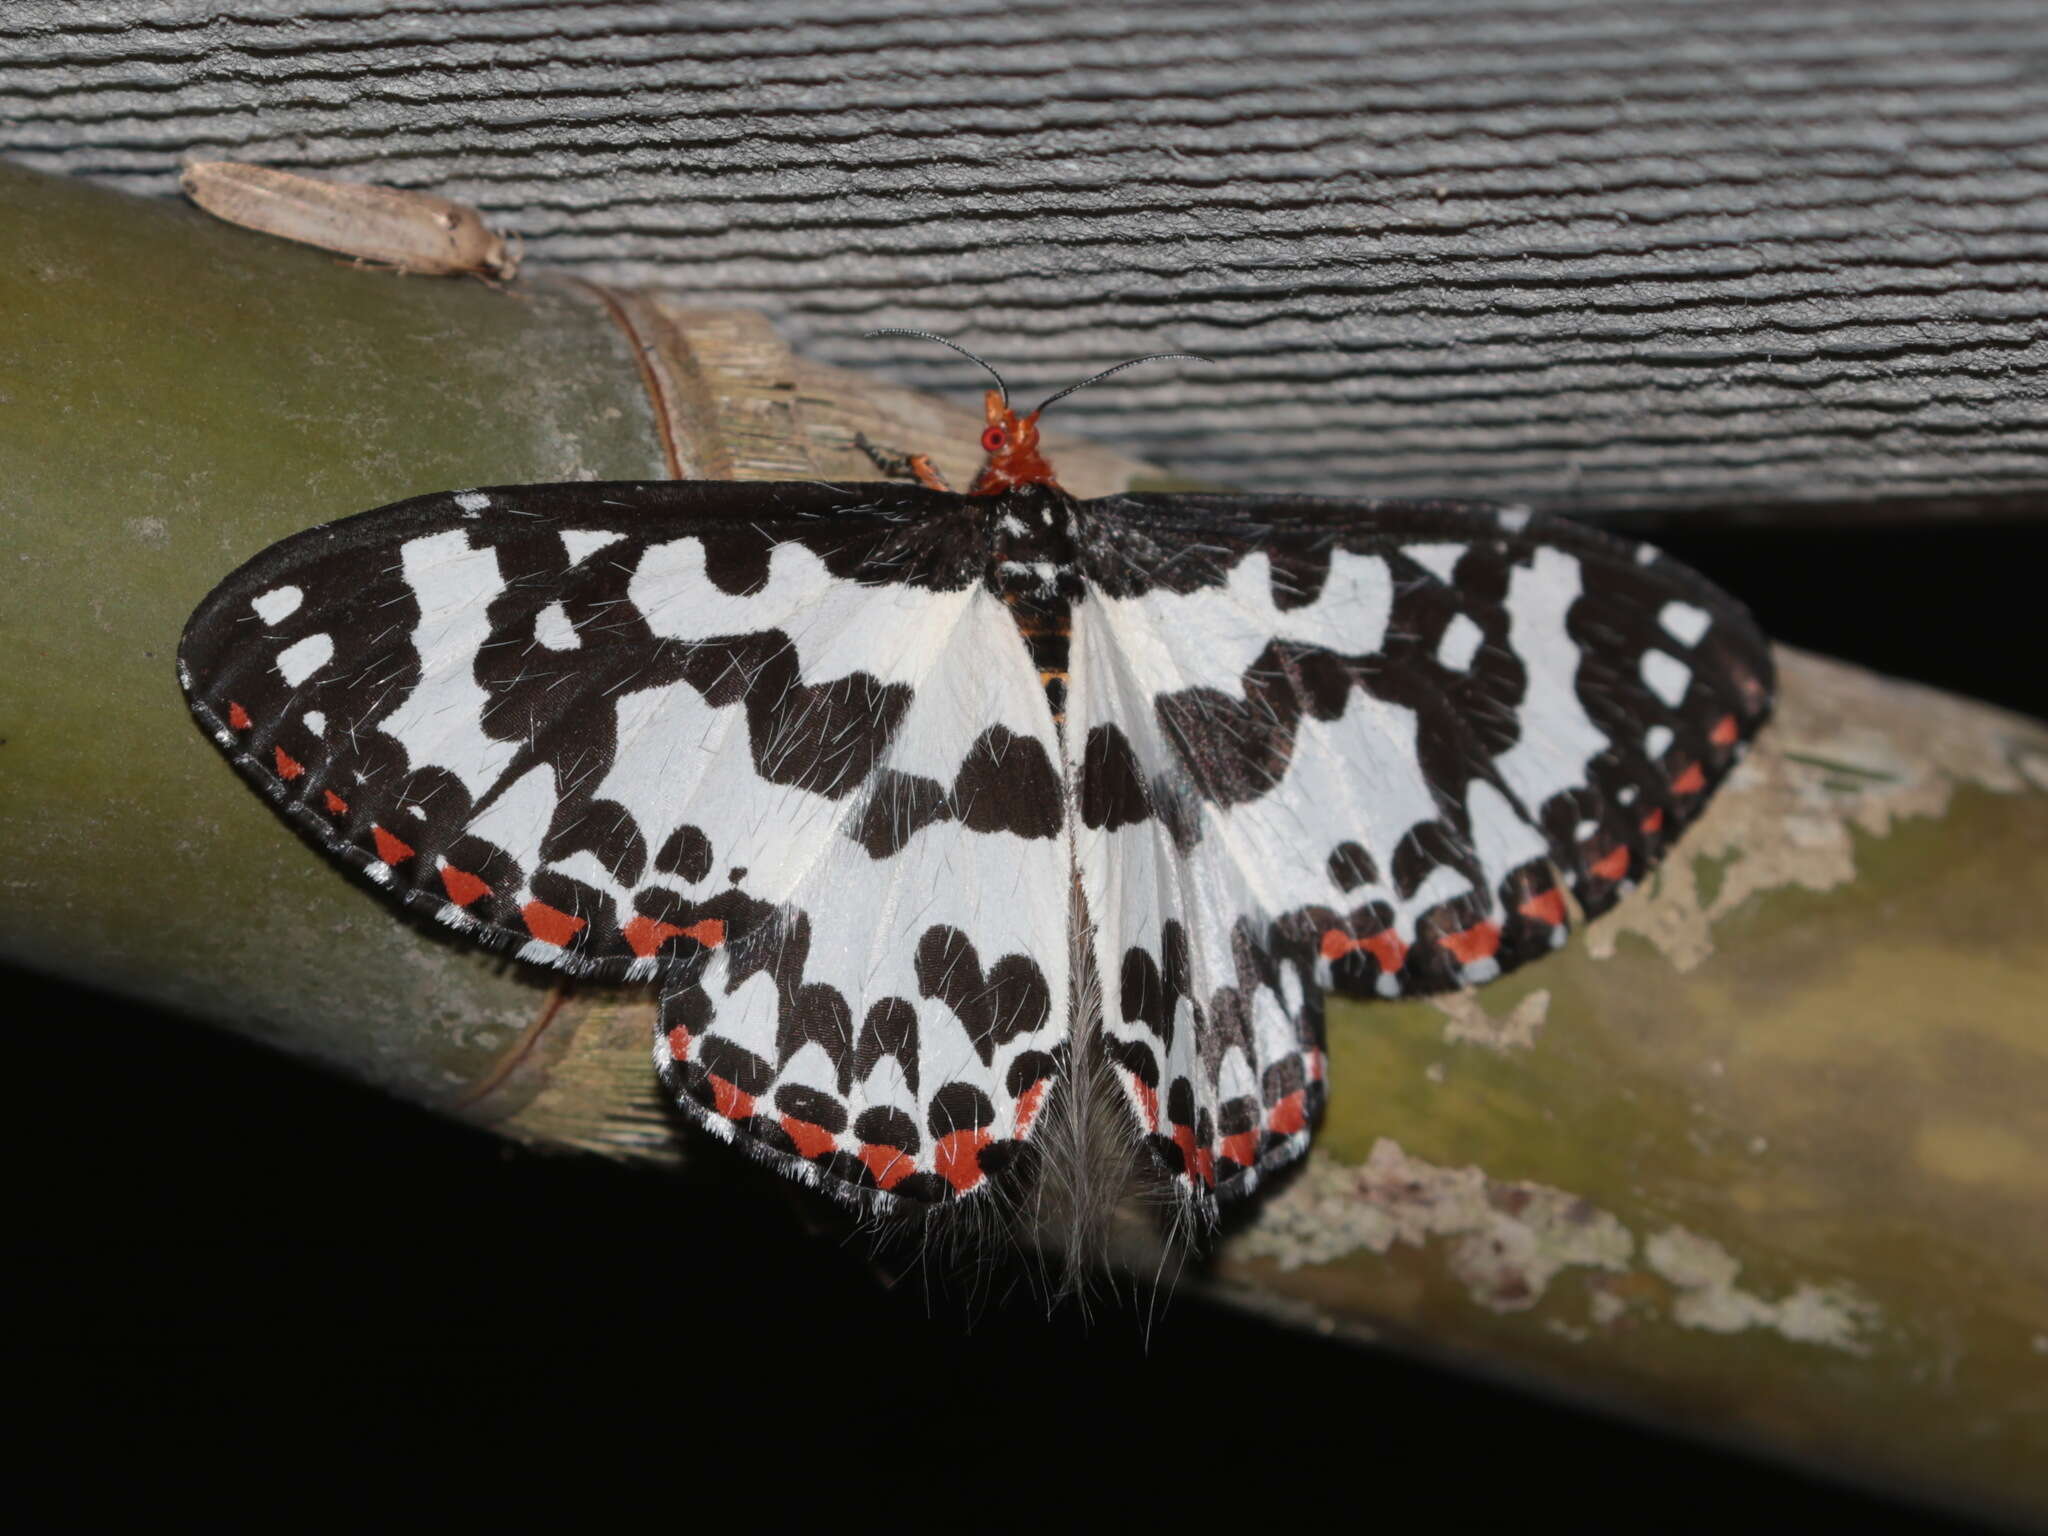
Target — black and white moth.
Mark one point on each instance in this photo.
(924, 810)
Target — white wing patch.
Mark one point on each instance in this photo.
(677, 597)
(582, 543)
(1237, 621)
(675, 773)
(519, 818)
(1357, 778)
(1684, 622)
(552, 628)
(1461, 641)
(747, 1013)
(277, 605)
(1558, 737)
(1666, 676)
(301, 659)
(440, 722)
(1440, 560)
(1501, 838)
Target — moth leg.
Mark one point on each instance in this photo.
(902, 466)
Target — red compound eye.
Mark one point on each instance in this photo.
(994, 440)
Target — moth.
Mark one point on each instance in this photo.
(977, 842)
(390, 226)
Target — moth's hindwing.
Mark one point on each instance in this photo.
(774, 744)
(1372, 747)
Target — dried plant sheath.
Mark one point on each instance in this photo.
(412, 231)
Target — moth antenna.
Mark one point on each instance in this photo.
(1150, 357)
(894, 330)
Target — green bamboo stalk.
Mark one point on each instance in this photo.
(181, 393)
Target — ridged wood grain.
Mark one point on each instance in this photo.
(1663, 257)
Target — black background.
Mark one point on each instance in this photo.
(227, 1252)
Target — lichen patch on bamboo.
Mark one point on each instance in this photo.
(1702, 1274)
(1507, 1241)
(1470, 1023)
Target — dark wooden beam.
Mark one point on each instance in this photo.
(1659, 257)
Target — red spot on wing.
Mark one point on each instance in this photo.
(551, 925)
(288, 767)
(1545, 907)
(1148, 1101)
(1242, 1149)
(728, 1099)
(1690, 782)
(1725, 732)
(1611, 866)
(679, 1044)
(1205, 1166)
(391, 849)
(958, 1158)
(1190, 1154)
(1387, 948)
(812, 1141)
(462, 887)
(1479, 942)
(238, 717)
(1654, 822)
(1289, 1115)
(890, 1165)
(644, 935)
(1384, 946)
(336, 806)
(1028, 1103)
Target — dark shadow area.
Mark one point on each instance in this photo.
(228, 1245)
(1957, 605)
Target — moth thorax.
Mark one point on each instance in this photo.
(1031, 546)
(1034, 517)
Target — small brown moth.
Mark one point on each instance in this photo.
(408, 231)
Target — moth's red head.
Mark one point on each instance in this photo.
(1011, 443)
